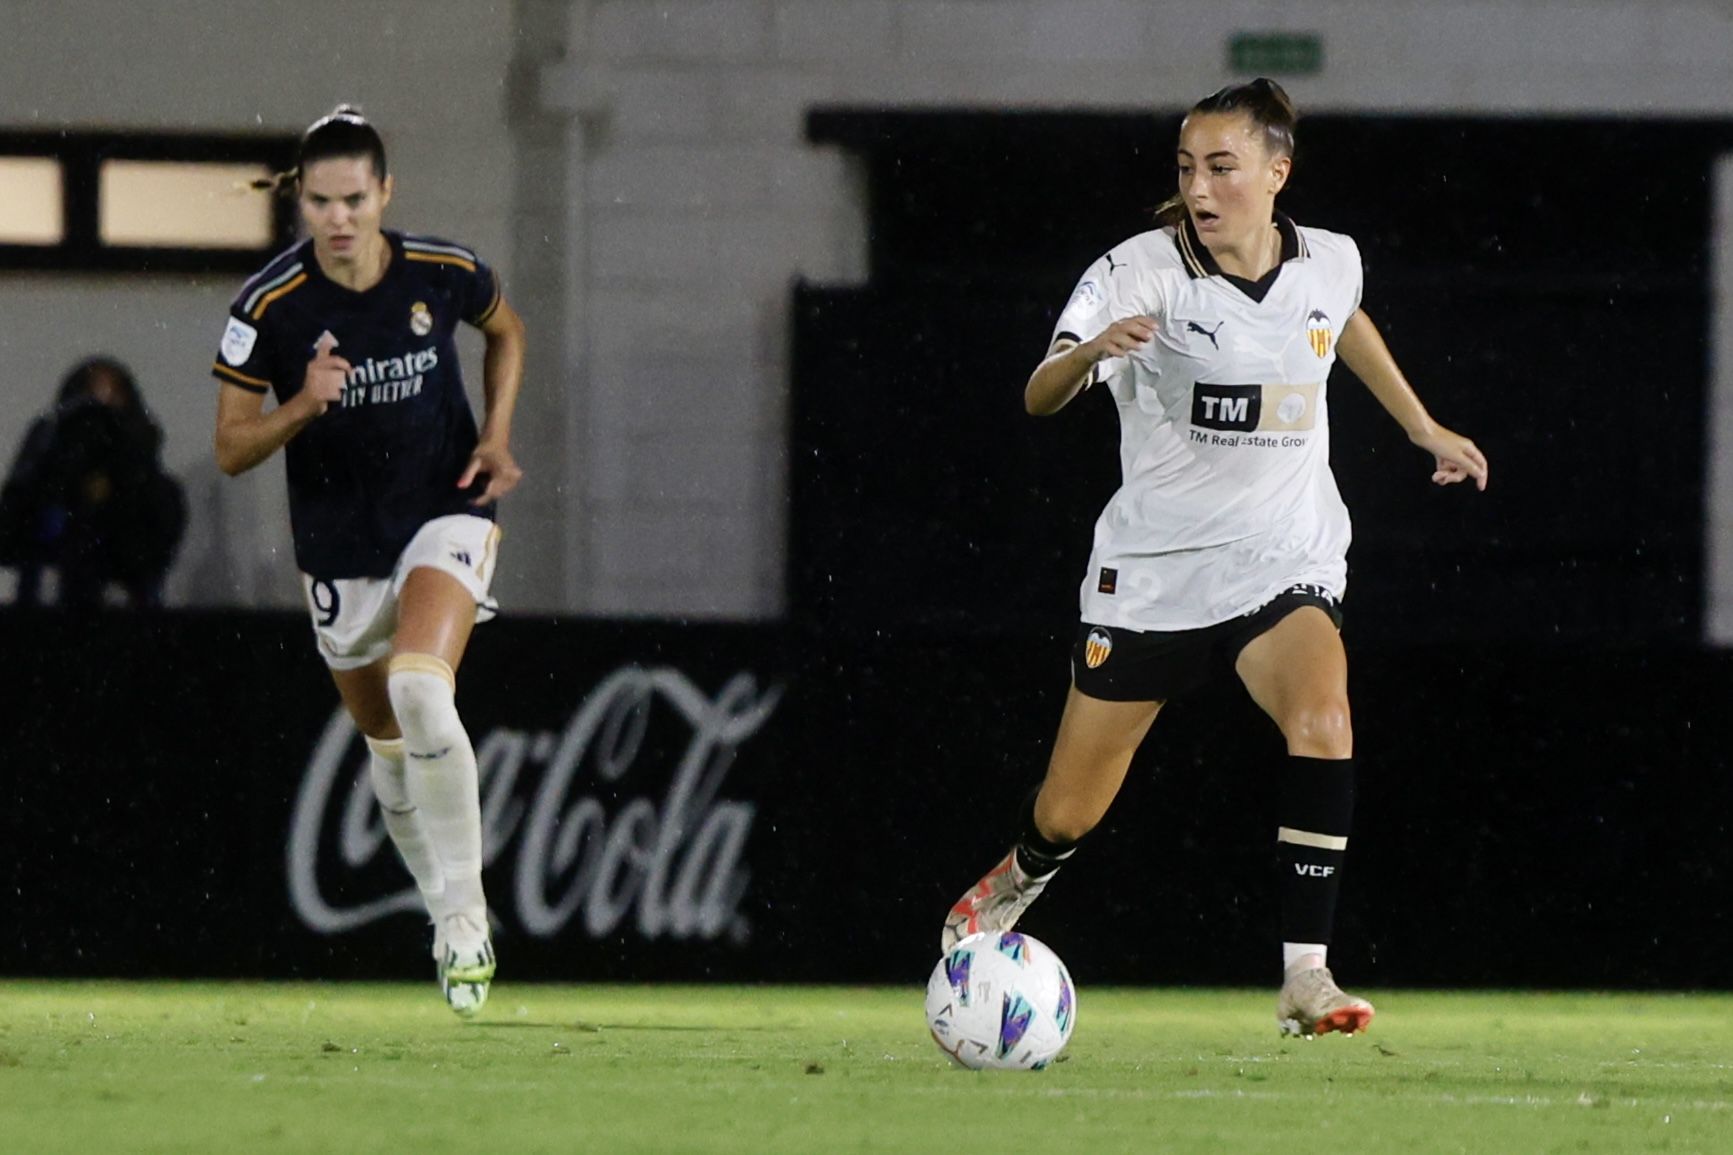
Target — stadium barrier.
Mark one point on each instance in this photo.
(706, 802)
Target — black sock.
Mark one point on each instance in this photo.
(1317, 809)
(1036, 855)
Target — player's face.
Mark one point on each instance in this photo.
(1227, 175)
(342, 202)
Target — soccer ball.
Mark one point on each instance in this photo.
(1001, 1000)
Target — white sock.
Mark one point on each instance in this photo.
(441, 777)
(403, 820)
(1293, 952)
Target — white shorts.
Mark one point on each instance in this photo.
(356, 618)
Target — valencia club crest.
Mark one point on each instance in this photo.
(1318, 333)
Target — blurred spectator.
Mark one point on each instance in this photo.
(88, 496)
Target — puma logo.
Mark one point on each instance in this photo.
(432, 756)
(1111, 266)
(1194, 327)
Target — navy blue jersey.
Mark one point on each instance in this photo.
(368, 473)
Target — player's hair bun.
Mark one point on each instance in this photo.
(1266, 102)
(343, 131)
(1274, 106)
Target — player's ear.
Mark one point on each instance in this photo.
(386, 188)
(1279, 170)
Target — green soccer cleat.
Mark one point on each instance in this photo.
(464, 954)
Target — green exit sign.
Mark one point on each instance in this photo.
(1276, 53)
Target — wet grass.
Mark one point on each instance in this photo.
(354, 1068)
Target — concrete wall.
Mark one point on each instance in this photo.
(432, 74)
(638, 169)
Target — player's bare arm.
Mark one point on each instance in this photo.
(1061, 376)
(502, 376)
(1362, 349)
(247, 435)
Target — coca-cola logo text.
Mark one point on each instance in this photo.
(674, 864)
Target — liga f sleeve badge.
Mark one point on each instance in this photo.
(238, 341)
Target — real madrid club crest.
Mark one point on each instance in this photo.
(1096, 647)
(1318, 332)
(421, 321)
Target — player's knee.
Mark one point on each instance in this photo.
(376, 720)
(1320, 728)
(423, 695)
(1064, 820)
(387, 772)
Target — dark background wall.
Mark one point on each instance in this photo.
(1555, 819)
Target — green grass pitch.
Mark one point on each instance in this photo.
(101, 1067)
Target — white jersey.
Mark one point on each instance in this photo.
(1227, 497)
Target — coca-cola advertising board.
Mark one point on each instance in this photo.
(202, 804)
(182, 797)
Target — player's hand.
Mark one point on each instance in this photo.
(1457, 457)
(1120, 338)
(327, 374)
(500, 467)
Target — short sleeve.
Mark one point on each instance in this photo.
(462, 278)
(1103, 295)
(480, 292)
(243, 354)
(1089, 310)
(1356, 272)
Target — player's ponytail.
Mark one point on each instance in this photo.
(1171, 212)
(277, 182)
(344, 132)
(1270, 108)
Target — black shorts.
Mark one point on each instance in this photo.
(1121, 665)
